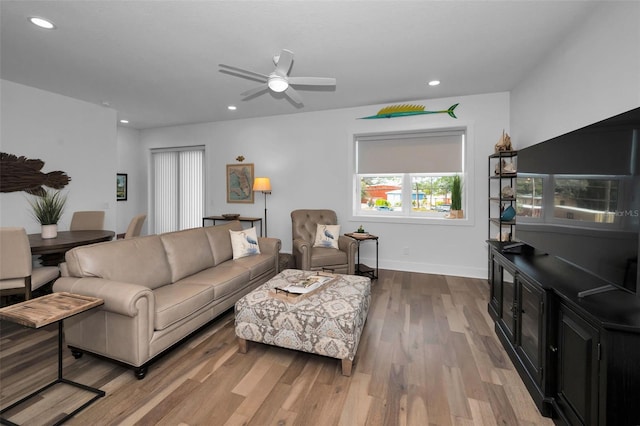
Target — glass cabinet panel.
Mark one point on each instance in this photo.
(495, 282)
(530, 326)
(508, 301)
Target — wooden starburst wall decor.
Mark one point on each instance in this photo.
(25, 174)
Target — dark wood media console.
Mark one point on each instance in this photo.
(578, 357)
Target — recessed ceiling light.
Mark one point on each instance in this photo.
(42, 23)
(232, 108)
(434, 82)
(123, 121)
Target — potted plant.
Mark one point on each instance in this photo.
(456, 198)
(47, 210)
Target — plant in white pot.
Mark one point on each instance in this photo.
(456, 198)
(47, 210)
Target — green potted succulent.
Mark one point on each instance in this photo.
(47, 210)
(456, 198)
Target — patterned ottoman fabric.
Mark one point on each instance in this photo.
(328, 322)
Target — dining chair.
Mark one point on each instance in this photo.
(17, 274)
(135, 227)
(87, 220)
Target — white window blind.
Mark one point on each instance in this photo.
(178, 188)
(432, 152)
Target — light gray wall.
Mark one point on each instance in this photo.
(76, 137)
(131, 160)
(593, 74)
(307, 156)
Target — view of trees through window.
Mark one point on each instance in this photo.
(429, 193)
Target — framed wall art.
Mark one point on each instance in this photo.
(240, 183)
(121, 187)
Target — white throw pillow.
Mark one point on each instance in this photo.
(327, 236)
(244, 243)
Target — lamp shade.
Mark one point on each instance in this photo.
(261, 184)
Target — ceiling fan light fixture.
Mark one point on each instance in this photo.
(277, 84)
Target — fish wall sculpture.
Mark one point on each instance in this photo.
(407, 110)
(24, 174)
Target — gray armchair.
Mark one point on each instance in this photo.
(304, 224)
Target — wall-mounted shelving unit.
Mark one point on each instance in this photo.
(498, 202)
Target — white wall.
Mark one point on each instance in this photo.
(76, 137)
(131, 160)
(306, 155)
(593, 74)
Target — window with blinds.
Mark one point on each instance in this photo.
(408, 173)
(178, 188)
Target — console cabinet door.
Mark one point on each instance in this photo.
(577, 368)
(531, 319)
(509, 303)
(495, 287)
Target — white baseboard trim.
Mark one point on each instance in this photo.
(429, 268)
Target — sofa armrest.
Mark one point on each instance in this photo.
(302, 254)
(119, 297)
(349, 246)
(269, 245)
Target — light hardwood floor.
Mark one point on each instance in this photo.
(428, 356)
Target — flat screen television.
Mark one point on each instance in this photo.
(578, 198)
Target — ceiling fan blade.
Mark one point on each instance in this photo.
(255, 91)
(284, 63)
(293, 95)
(241, 70)
(313, 81)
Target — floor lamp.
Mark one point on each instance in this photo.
(263, 184)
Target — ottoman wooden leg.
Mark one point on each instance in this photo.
(242, 346)
(346, 367)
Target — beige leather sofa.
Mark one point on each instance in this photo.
(158, 289)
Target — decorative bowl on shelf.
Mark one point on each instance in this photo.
(508, 214)
(231, 216)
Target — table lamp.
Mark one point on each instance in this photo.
(263, 184)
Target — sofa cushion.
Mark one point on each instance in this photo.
(224, 279)
(220, 240)
(139, 260)
(257, 265)
(321, 256)
(188, 252)
(244, 243)
(175, 302)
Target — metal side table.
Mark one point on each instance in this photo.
(45, 310)
(362, 269)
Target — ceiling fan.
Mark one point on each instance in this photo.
(278, 81)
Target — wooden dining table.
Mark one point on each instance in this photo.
(52, 250)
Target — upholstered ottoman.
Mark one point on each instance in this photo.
(328, 322)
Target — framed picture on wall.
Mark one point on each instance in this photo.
(240, 183)
(121, 187)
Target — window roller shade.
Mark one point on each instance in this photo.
(415, 153)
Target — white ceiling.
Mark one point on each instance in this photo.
(156, 62)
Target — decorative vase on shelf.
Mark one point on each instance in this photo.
(508, 214)
(49, 231)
